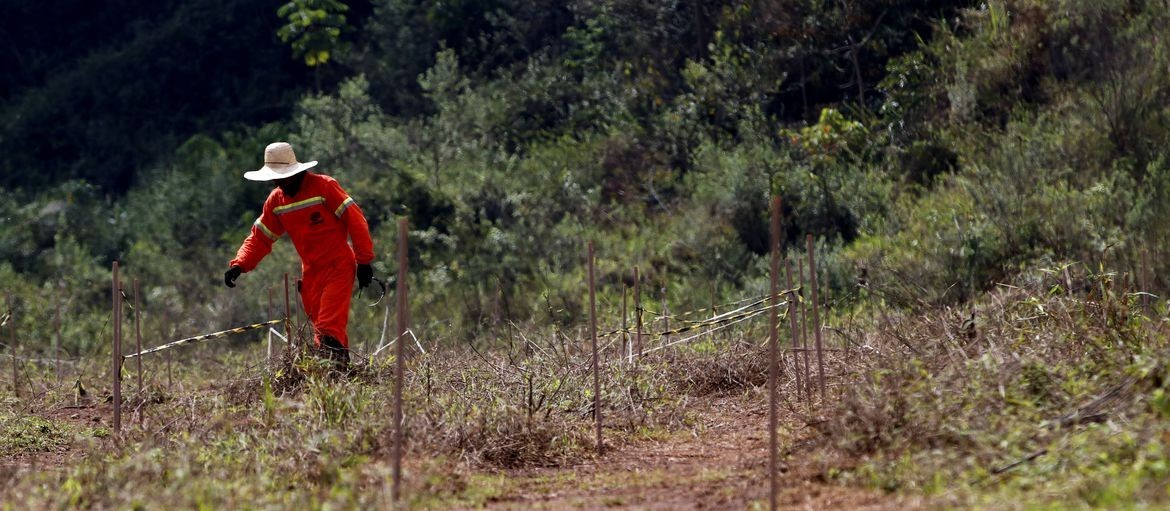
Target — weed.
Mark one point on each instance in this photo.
(31, 434)
(1016, 406)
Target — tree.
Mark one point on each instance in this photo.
(146, 80)
(313, 28)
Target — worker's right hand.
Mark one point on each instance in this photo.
(230, 276)
(365, 273)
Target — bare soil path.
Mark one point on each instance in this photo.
(720, 465)
(56, 457)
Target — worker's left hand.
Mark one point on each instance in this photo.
(365, 274)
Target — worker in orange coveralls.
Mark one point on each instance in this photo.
(321, 219)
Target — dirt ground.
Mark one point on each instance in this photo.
(722, 464)
(55, 459)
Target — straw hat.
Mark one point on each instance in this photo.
(279, 162)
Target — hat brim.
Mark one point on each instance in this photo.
(274, 172)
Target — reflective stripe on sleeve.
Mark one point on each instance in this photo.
(345, 204)
(289, 208)
(264, 229)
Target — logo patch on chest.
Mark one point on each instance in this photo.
(315, 218)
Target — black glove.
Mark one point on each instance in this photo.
(230, 276)
(365, 274)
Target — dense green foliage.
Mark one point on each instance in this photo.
(933, 148)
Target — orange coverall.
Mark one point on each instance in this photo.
(319, 219)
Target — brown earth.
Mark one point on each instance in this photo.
(720, 464)
(65, 455)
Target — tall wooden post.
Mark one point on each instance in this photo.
(116, 319)
(812, 279)
(773, 351)
(403, 289)
(593, 343)
(804, 331)
(400, 354)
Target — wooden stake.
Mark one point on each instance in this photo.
(400, 354)
(812, 279)
(116, 319)
(773, 349)
(593, 342)
(804, 332)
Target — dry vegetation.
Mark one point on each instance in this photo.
(1048, 399)
(300, 434)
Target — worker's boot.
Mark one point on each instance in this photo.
(332, 349)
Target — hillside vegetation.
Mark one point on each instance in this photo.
(951, 147)
(1001, 162)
